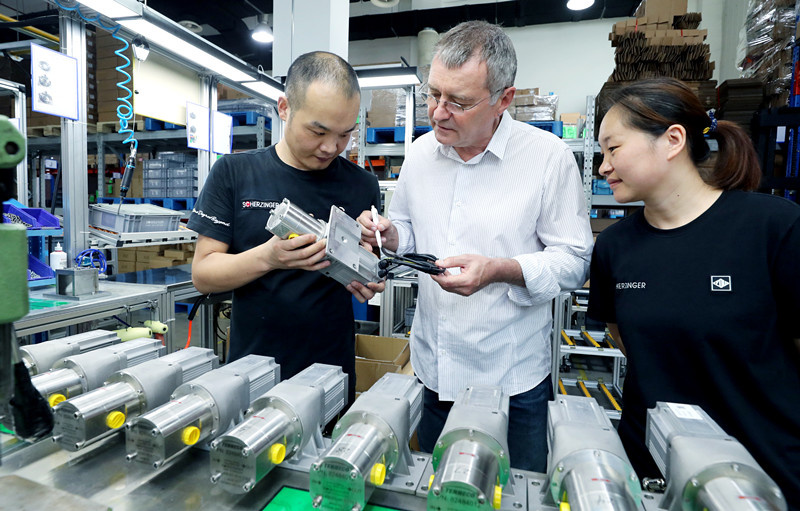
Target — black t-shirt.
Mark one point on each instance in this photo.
(298, 317)
(707, 313)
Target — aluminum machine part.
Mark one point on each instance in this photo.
(705, 468)
(370, 446)
(587, 465)
(85, 419)
(287, 422)
(349, 260)
(470, 460)
(39, 358)
(79, 374)
(200, 410)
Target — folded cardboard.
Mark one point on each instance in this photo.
(376, 356)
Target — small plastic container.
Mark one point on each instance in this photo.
(133, 218)
(43, 218)
(15, 215)
(58, 258)
(154, 173)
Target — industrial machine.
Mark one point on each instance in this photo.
(349, 260)
(40, 357)
(470, 460)
(706, 469)
(286, 424)
(200, 410)
(587, 465)
(79, 374)
(88, 418)
(370, 446)
(18, 398)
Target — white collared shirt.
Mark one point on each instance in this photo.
(520, 198)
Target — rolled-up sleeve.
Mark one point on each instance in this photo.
(564, 230)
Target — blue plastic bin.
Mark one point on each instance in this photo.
(24, 217)
(37, 270)
(44, 218)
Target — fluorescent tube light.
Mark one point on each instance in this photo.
(579, 5)
(264, 88)
(387, 77)
(178, 46)
(110, 8)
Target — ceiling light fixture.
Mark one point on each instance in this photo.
(140, 48)
(262, 33)
(387, 77)
(579, 5)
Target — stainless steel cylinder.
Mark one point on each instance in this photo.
(594, 487)
(84, 419)
(287, 219)
(63, 381)
(729, 494)
(360, 447)
(469, 464)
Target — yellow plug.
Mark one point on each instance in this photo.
(378, 474)
(115, 419)
(497, 498)
(277, 453)
(54, 399)
(190, 435)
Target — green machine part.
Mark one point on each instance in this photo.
(14, 273)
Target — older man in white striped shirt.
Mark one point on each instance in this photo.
(501, 203)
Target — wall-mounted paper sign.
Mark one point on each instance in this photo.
(54, 80)
(222, 133)
(197, 126)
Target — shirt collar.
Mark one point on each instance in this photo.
(497, 145)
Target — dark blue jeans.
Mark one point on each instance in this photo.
(527, 425)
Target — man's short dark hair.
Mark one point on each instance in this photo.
(319, 66)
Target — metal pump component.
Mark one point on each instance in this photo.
(85, 419)
(81, 373)
(370, 445)
(200, 410)
(587, 465)
(470, 461)
(287, 421)
(705, 468)
(349, 260)
(39, 358)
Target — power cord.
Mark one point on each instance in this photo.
(426, 263)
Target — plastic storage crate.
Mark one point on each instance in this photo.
(182, 172)
(43, 218)
(38, 271)
(185, 191)
(15, 215)
(134, 218)
(154, 173)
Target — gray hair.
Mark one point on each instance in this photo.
(486, 41)
(319, 66)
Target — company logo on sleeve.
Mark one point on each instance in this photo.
(631, 285)
(253, 204)
(721, 283)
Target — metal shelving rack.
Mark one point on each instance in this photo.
(567, 341)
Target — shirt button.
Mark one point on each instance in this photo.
(459, 204)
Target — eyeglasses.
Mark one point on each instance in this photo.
(453, 108)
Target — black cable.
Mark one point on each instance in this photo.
(426, 263)
(28, 22)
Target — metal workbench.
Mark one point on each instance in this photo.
(115, 298)
(178, 287)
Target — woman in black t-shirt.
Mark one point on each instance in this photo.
(700, 286)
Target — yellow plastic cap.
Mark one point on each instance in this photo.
(115, 419)
(564, 506)
(497, 499)
(430, 481)
(190, 435)
(54, 399)
(293, 235)
(277, 453)
(378, 474)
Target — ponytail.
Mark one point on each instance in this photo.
(736, 167)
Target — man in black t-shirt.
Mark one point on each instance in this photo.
(282, 306)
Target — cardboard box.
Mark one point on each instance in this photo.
(126, 254)
(376, 356)
(175, 254)
(126, 266)
(161, 262)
